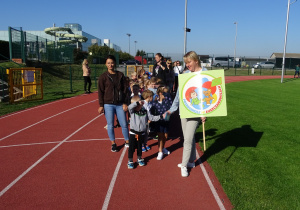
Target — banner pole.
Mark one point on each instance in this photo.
(203, 129)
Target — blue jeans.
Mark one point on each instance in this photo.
(110, 110)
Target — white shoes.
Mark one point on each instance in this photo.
(184, 172)
(165, 151)
(160, 156)
(189, 165)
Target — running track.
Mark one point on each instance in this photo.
(57, 156)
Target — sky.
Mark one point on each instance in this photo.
(158, 25)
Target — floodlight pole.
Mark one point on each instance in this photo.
(129, 42)
(135, 46)
(285, 38)
(235, 42)
(185, 27)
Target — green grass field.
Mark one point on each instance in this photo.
(56, 84)
(254, 150)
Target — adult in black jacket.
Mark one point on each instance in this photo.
(159, 67)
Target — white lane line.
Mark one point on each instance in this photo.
(29, 109)
(113, 180)
(42, 158)
(54, 142)
(44, 120)
(209, 182)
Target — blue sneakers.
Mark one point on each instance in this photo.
(147, 147)
(144, 149)
(141, 162)
(130, 165)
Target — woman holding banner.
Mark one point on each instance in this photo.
(189, 125)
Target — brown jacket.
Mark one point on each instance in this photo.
(108, 93)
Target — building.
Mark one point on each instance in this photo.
(291, 60)
(107, 42)
(76, 29)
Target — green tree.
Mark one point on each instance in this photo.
(140, 53)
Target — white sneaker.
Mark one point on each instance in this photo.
(184, 172)
(160, 156)
(165, 151)
(189, 165)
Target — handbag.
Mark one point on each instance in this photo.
(121, 96)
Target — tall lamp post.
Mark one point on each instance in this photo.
(185, 29)
(235, 42)
(285, 38)
(135, 46)
(129, 42)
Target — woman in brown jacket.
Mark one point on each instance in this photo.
(86, 75)
(113, 99)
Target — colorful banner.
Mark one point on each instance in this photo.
(202, 94)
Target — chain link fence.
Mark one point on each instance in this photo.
(26, 47)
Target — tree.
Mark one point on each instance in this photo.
(140, 53)
(79, 55)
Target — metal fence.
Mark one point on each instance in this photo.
(24, 47)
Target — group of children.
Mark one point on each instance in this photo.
(150, 99)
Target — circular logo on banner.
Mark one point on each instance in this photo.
(199, 96)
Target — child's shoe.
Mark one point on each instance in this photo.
(165, 151)
(130, 165)
(147, 147)
(126, 145)
(160, 156)
(144, 149)
(141, 162)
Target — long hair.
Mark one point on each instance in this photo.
(84, 62)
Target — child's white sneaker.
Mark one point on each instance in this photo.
(160, 156)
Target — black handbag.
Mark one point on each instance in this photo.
(121, 96)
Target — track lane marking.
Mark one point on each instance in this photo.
(54, 142)
(45, 120)
(42, 158)
(209, 182)
(36, 107)
(113, 181)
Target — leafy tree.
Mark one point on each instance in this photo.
(140, 53)
(79, 55)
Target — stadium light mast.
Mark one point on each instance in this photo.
(129, 42)
(135, 46)
(235, 42)
(185, 28)
(285, 38)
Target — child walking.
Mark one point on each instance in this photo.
(148, 97)
(138, 129)
(160, 106)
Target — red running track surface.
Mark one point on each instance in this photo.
(57, 156)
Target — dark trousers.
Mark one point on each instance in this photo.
(87, 80)
(135, 143)
(176, 84)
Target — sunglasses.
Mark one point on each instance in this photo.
(169, 63)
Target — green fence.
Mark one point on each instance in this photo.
(76, 77)
(29, 47)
